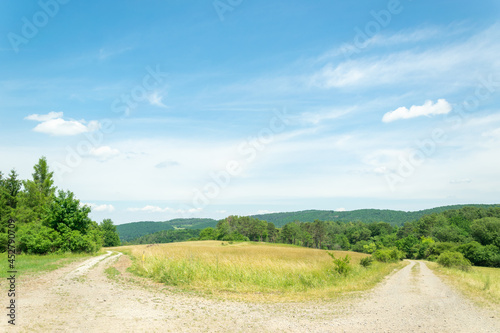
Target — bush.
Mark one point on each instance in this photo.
(454, 260)
(38, 239)
(435, 249)
(366, 261)
(389, 254)
(341, 265)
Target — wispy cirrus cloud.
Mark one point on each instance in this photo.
(449, 62)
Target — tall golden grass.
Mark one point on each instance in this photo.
(252, 270)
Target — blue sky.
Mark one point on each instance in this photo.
(153, 110)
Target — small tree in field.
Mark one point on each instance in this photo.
(341, 265)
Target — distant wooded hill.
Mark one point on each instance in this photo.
(393, 217)
(131, 231)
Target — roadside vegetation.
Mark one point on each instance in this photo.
(47, 220)
(32, 264)
(481, 284)
(257, 271)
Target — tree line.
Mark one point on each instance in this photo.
(47, 219)
(472, 231)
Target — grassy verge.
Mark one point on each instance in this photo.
(27, 264)
(253, 271)
(481, 284)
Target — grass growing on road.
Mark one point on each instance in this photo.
(256, 270)
(31, 264)
(482, 284)
(112, 272)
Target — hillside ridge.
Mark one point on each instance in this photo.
(133, 230)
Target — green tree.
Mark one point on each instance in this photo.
(12, 186)
(318, 233)
(65, 211)
(208, 234)
(487, 231)
(43, 178)
(109, 233)
(37, 194)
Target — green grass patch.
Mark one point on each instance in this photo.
(27, 264)
(111, 272)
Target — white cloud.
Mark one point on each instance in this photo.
(157, 209)
(149, 209)
(461, 181)
(166, 164)
(264, 211)
(156, 99)
(44, 117)
(428, 109)
(104, 152)
(53, 124)
(100, 208)
(341, 210)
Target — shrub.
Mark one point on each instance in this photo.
(341, 265)
(366, 261)
(454, 260)
(389, 254)
(440, 247)
(38, 239)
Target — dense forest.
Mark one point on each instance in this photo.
(393, 217)
(131, 231)
(167, 236)
(134, 230)
(472, 231)
(46, 219)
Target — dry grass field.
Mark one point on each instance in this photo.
(253, 270)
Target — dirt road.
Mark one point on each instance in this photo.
(81, 298)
